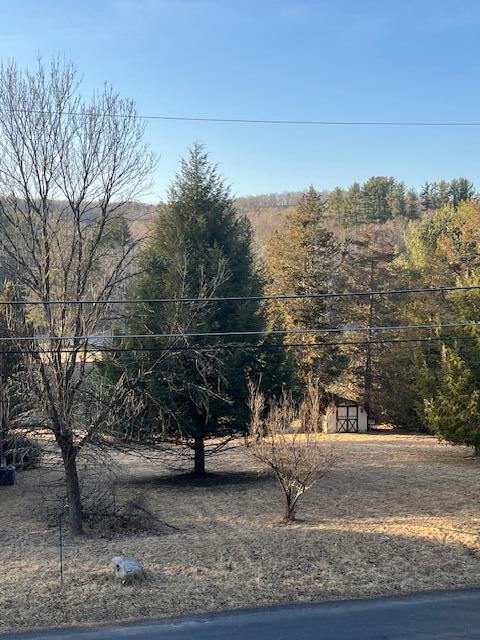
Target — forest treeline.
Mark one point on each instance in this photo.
(379, 236)
(128, 325)
(373, 236)
(368, 237)
(378, 199)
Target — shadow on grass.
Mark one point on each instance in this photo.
(218, 479)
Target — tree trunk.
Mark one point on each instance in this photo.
(368, 379)
(289, 512)
(199, 460)
(368, 375)
(73, 490)
(3, 415)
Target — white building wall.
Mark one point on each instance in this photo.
(330, 421)
(362, 420)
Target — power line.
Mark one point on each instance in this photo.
(269, 121)
(218, 334)
(243, 347)
(321, 123)
(288, 296)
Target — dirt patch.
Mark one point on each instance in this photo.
(400, 513)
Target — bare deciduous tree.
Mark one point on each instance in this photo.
(66, 169)
(287, 438)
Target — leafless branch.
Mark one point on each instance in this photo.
(288, 439)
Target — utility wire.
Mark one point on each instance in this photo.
(269, 121)
(226, 347)
(288, 296)
(218, 334)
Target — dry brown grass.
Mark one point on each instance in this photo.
(398, 514)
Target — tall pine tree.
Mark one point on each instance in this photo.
(305, 259)
(369, 251)
(200, 247)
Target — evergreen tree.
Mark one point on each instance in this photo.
(336, 206)
(354, 205)
(442, 249)
(305, 259)
(384, 199)
(411, 205)
(453, 413)
(442, 194)
(370, 251)
(117, 233)
(444, 245)
(460, 190)
(199, 247)
(426, 197)
(396, 199)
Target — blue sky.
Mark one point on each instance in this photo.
(279, 59)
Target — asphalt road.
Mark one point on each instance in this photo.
(443, 615)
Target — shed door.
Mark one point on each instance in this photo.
(347, 419)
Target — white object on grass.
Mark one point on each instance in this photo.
(127, 569)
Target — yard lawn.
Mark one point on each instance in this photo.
(400, 513)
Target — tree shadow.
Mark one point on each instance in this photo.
(211, 480)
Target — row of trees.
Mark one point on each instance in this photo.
(381, 199)
(427, 378)
(68, 173)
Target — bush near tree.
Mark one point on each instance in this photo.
(453, 413)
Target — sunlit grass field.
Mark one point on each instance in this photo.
(399, 513)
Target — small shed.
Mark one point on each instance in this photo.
(345, 416)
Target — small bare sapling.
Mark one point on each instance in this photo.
(288, 438)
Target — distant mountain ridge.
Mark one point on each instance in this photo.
(266, 213)
(377, 200)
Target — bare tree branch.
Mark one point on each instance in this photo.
(66, 169)
(289, 440)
